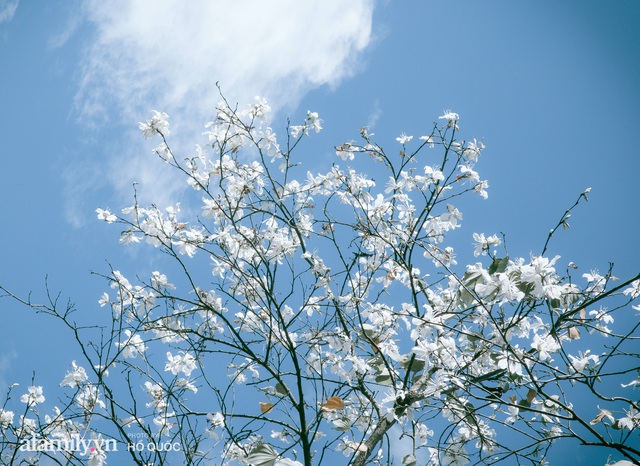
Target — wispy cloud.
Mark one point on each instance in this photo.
(69, 27)
(5, 363)
(168, 55)
(8, 9)
(375, 115)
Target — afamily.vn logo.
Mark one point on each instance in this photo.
(75, 443)
(93, 446)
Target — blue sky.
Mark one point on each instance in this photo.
(551, 88)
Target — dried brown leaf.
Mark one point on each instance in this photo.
(334, 403)
(266, 407)
(531, 395)
(604, 413)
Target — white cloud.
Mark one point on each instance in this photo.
(168, 55)
(8, 9)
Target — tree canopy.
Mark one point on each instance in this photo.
(323, 317)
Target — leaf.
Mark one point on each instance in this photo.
(525, 287)
(384, 379)
(369, 331)
(374, 344)
(409, 460)
(375, 361)
(498, 265)
(531, 395)
(524, 404)
(604, 413)
(416, 365)
(281, 389)
(266, 407)
(287, 462)
(469, 279)
(334, 403)
(341, 424)
(574, 333)
(362, 448)
(262, 455)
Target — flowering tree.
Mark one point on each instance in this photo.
(310, 317)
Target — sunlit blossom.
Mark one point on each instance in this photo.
(582, 361)
(6, 419)
(106, 215)
(133, 345)
(33, 396)
(483, 245)
(403, 138)
(452, 119)
(157, 124)
(76, 377)
(633, 291)
(184, 363)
